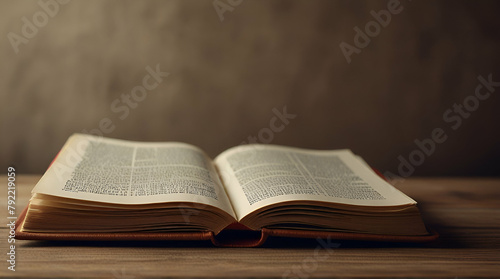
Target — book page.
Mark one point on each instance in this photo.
(259, 175)
(124, 172)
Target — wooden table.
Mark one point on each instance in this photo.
(465, 211)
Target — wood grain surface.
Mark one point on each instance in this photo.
(465, 211)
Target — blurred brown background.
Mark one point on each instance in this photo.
(227, 76)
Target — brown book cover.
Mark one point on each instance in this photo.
(227, 238)
(231, 236)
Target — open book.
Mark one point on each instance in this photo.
(98, 187)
